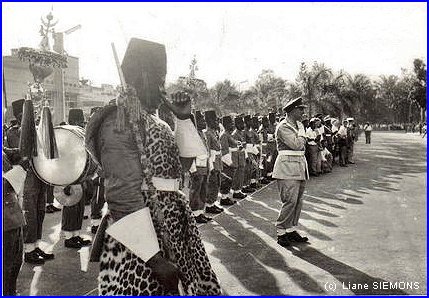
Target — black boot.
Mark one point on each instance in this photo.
(294, 236)
(283, 240)
(239, 195)
(33, 257)
(83, 242)
(45, 255)
(227, 202)
(72, 242)
(213, 209)
(201, 219)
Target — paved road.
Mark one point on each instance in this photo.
(366, 224)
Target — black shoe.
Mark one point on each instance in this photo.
(73, 242)
(255, 186)
(207, 218)
(94, 229)
(213, 209)
(283, 240)
(218, 208)
(238, 195)
(294, 236)
(44, 255)
(55, 208)
(50, 209)
(85, 217)
(227, 202)
(33, 257)
(248, 189)
(265, 181)
(201, 219)
(351, 162)
(83, 242)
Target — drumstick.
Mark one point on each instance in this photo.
(118, 66)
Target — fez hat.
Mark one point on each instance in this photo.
(319, 116)
(210, 115)
(293, 104)
(17, 107)
(144, 67)
(272, 116)
(238, 121)
(265, 120)
(76, 116)
(255, 122)
(227, 122)
(248, 120)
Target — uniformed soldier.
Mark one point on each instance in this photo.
(72, 216)
(239, 159)
(34, 196)
(13, 222)
(291, 171)
(229, 146)
(215, 162)
(198, 176)
(251, 166)
(263, 135)
(272, 148)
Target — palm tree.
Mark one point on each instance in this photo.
(311, 82)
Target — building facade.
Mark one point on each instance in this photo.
(17, 77)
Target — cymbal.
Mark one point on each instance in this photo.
(75, 196)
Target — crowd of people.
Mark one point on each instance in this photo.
(242, 151)
(144, 164)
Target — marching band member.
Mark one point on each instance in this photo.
(215, 162)
(72, 216)
(229, 148)
(34, 194)
(13, 221)
(198, 176)
(239, 159)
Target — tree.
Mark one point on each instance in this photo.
(420, 86)
(311, 82)
(270, 91)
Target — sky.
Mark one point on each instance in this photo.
(233, 41)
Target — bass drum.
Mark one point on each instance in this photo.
(73, 164)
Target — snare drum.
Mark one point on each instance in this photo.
(73, 164)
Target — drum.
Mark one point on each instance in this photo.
(73, 164)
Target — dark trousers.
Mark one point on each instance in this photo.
(313, 151)
(226, 179)
(252, 167)
(72, 216)
(197, 191)
(97, 201)
(49, 194)
(238, 178)
(34, 207)
(343, 155)
(213, 186)
(12, 259)
(368, 137)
